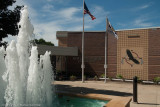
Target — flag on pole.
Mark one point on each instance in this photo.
(111, 30)
(86, 11)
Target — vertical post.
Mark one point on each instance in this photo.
(82, 66)
(106, 35)
(135, 89)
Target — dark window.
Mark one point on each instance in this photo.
(134, 36)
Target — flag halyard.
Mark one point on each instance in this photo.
(86, 11)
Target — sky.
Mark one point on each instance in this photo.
(49, 16)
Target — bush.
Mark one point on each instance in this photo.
(58, 71)
(73, 78)
(119, 76)
(102, 75)
(95, 78)
(139, 80)
(110, 78)
(156, 80)
(58, 75)
(85, 77)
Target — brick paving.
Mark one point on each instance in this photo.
(148, 95)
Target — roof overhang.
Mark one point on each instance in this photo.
(55, 50)
(62, 34)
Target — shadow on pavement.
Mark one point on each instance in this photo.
(148, 104)
(84, 90)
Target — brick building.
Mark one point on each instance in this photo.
(135, 53)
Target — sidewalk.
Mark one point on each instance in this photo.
(148, 95)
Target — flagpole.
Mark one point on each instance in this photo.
(82, 66)
(106, 36)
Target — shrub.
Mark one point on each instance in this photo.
(139, 80)
(156, 80)
(95, 78)
(110, 78)
(58, 71)
(85, 78)
(119, 76)
(73, 78)
(102, 75)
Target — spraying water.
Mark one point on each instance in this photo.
(25, 32)
(12, 76)
(34, 80)
(2, 70)
(25, 80)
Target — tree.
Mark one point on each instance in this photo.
(43, 42)
(8, 19)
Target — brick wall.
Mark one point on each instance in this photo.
(137, 42)
(93, 53)
(94, 44)
(62, 41)
(146, 45)
(154, 53)
(112, 56)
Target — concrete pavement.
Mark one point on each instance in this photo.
(148, 95)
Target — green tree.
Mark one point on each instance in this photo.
(43, 42)
(8, 19)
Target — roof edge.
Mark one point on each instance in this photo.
(138, 28)
(65, 33)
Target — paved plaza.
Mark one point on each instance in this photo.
(148, 95)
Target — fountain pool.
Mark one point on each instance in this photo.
(70, 101)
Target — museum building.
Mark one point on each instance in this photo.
(136, 52)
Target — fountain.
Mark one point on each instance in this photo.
(25, 80)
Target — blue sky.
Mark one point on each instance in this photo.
(49, 16)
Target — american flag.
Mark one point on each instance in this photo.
(86, 11)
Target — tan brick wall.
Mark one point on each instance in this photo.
(137, 42)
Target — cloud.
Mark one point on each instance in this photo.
(64, 19)
(47, 31)
(48, 19)
(101, 14)
(68, 19)
(68, 12)
(59, 1)
(99, 11)
(18, 2)
(9, 38)
(145, 6)
(121, 24)
(47, 7)
(32, 12)
(142, 22)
